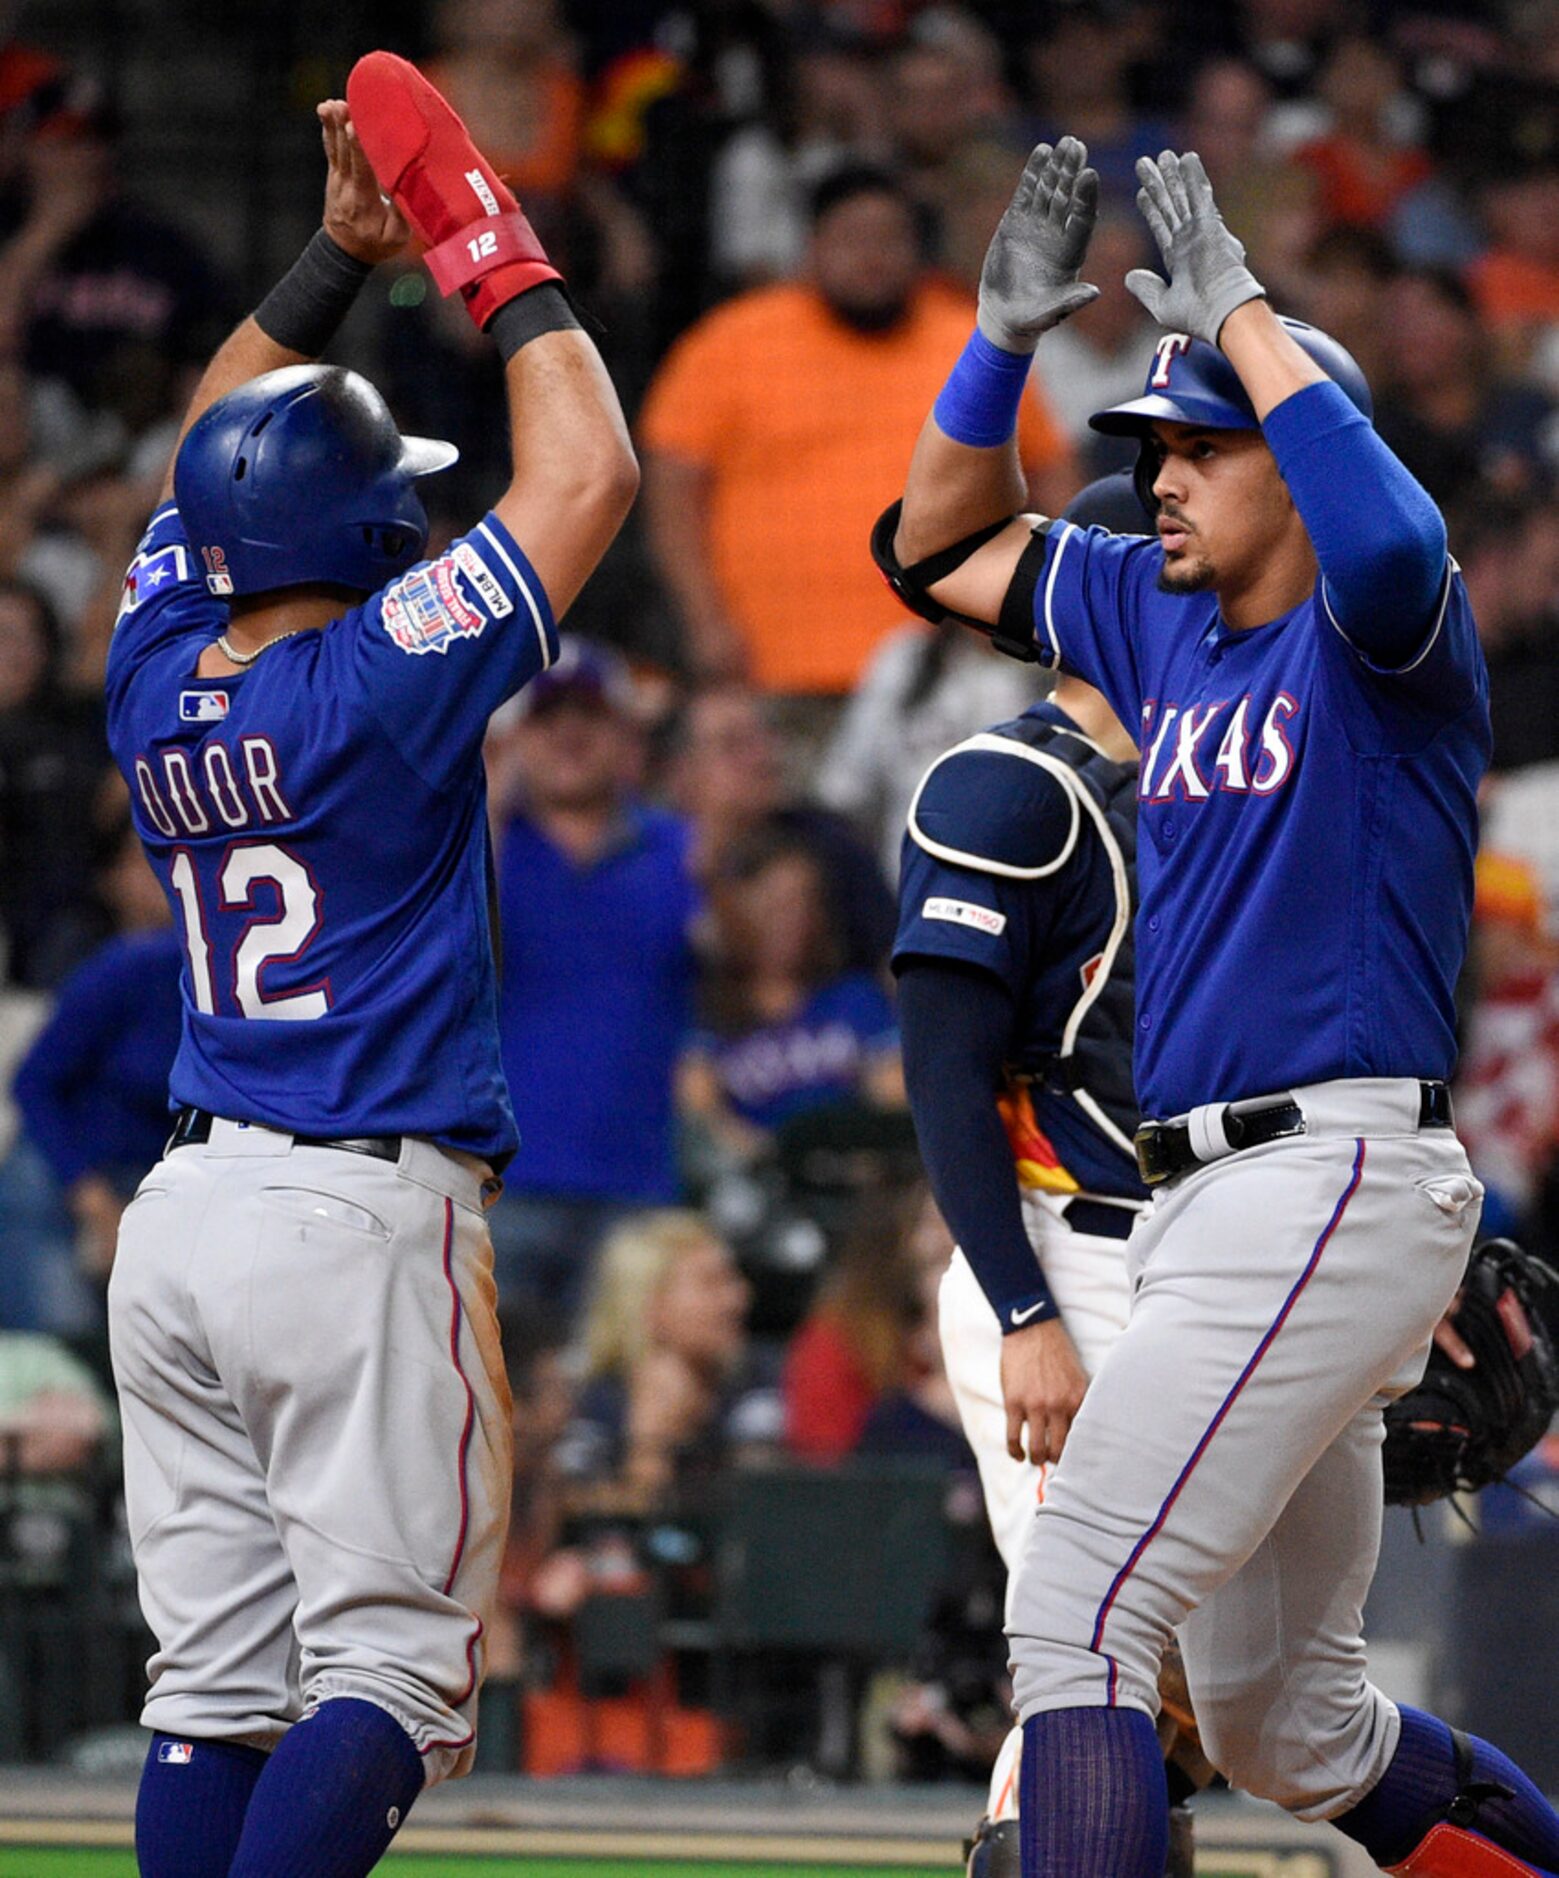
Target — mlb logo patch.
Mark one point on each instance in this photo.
(176, 1753)
(202, 707)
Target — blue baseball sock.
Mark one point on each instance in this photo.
(1422, 1780)
(190, 1808)
(333, 1796)
(1093, 1799)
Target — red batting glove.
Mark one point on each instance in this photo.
(479, 243)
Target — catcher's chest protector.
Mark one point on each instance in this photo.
(1097, 1055)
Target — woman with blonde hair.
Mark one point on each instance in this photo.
(665, 1350)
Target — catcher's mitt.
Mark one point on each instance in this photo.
(1462, 1428)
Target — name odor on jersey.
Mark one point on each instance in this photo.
(220, 788)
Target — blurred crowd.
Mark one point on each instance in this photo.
(713, 1247)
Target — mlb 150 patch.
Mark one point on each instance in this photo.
(452, 598)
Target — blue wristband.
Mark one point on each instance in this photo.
(979, 403)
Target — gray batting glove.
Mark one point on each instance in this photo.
(1208, 277)
(1029, 281)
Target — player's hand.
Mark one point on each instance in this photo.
(1029, 281)
(1208, 277)
(357, 216)
(1451, 1340)
(1042, 1385)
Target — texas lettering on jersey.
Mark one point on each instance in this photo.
(1208, 747)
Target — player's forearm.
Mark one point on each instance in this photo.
(955, 1025)
(575, 474)
(954, 488)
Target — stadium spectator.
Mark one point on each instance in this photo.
(854, 1345)
(1228, 121)
(92, 1092)
(926, 688)
(945, 94)
(596, 902)
(920, 1417)
(670, 1391)
(1079, 63)
(54, 1413)
(831, 109)
(1515, 281)
(774, 425)
(1347, 274)
(1363, 163)
(1509, 553)
(727, 775)
(1461, 426)
(108, 302)
(52, 761)
(784, 1031)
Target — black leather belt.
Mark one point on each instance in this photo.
(1093, 1216)
(1164, 1148)
(194, 1125)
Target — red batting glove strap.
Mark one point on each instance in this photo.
(481, 248)
(423, 156)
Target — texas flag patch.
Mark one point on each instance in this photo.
(175, 1753)
(148, 574)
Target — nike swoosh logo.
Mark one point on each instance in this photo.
(1018, 1318)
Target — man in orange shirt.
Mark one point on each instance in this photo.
(771, 427)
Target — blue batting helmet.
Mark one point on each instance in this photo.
(300, 476)
(1191, 382)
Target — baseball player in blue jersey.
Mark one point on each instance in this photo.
(1299, 658)
(315, 1418)
(1014, 960)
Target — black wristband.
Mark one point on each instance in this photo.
(308, 303)
(543, 309)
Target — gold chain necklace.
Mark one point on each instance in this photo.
(248, 658)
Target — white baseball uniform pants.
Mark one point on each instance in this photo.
(1087, 1276)
(1223, 1474)
(317, 1436)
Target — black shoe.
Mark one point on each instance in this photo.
(993, 1852)
(1182, 1844)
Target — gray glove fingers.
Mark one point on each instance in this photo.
(1174, 187)
(1154, 217)
(1143, 284)
(1028, 182)
(1199, 191)
(1085, 200)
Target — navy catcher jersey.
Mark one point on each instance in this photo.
(1003, 868)
(319, 824)
(1287, 786)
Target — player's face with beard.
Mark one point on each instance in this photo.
(1222, 506)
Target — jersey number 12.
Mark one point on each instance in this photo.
(263, 940)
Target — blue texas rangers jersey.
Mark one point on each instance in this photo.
(1306, 830)
(319, 824)
(1018, 860)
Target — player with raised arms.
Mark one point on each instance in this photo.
(1297, 654)
(316, 1422)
